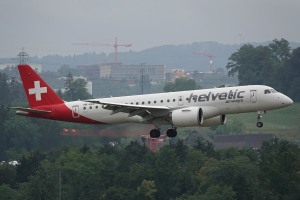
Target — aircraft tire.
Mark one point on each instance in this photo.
(259, 124)
(171, 132)
(154, 133)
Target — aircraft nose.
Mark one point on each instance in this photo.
(287, 101)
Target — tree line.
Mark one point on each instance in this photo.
(20, 134)
(175, 172)
(275, 65)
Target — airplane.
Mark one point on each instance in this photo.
(205, 107)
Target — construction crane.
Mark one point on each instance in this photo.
(115, 45)
(210, 56)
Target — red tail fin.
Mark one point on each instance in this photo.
(38, 92)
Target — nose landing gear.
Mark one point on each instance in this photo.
(259, 124)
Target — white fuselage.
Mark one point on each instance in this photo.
(228, 100)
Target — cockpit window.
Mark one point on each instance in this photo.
(268, 91)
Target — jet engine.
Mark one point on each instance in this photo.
(218, 120)
(190, 116)
(197, 116)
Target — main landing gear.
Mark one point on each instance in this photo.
(155, 133)
(171, 132)
(259, 124)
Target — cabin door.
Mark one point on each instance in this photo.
(253, 96)
(75, 112)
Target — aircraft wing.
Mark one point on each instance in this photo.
(131, 109)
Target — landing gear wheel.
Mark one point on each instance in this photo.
(259, 124)
(171, 132)
(155, 133)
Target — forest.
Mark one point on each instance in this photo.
(175, 172)
(51, 166)
(275, 65)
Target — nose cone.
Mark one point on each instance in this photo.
(289, 101)
(286, 101)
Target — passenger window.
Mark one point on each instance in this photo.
(149, 102)
(154, 101)
(174, 100)
(161, 101)
(84, 108)
(137, 103)
(143, 103)
(90, 107)
(96, 107)
(168, 100)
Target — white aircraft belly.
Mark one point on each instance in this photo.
(105, 116)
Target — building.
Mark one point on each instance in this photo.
(156, 73)
(154, 144)
(37, 67)
(89, 70)
(173, 74)
(3, 66)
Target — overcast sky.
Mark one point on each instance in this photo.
(51, 26)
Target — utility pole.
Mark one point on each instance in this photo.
(23, 57)
(59, 197)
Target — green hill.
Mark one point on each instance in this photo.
(283, 122)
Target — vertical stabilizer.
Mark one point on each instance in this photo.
(38, 92)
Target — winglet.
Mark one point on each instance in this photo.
(38, 92)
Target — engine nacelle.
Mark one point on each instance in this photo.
(190, 116)
(214, 121)
(197, 116)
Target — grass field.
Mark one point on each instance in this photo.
(284, 123)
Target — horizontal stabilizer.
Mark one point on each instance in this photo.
(30, 110)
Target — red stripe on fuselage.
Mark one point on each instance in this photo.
(62, 113)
